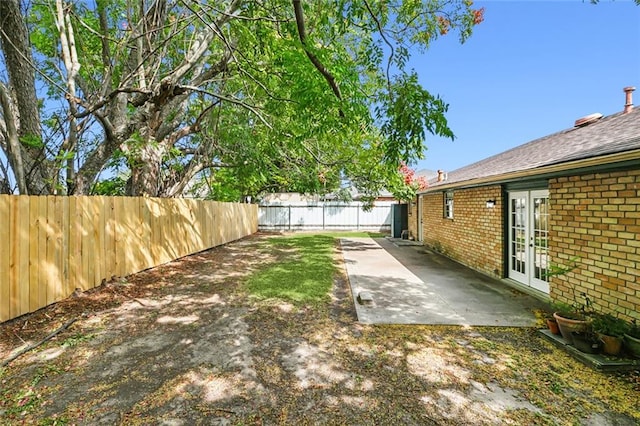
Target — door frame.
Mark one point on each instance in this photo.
(530, 240)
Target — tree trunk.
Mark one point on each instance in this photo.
(145, 174)
(21, 71)
(17, 53)
(12, 143)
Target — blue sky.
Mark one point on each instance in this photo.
(530, 69)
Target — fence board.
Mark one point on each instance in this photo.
(120, 235)
(75, 242)
(145, 234)
(99, 232)
(110, 238)
(208, 223)
(34, 251)
(179, 226)
(142, 249)
(19, 257)
(81, 237)
(43, 226)
(23, 254)
(217, 234)
(133, 246)
(92, 226)
(155, 231)
(193, 227)
(64, 246)
(5, 251)
(54, 245)
(89, 240)
(13, 290)
(57, 244)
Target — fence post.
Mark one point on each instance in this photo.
(289, 217)
(358, 217)
(324, 212)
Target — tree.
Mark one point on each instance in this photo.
(409, 184)
(258, 95)
(20, 129)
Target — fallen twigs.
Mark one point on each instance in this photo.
(35, 345)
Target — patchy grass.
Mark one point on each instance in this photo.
(306, 277)
(19, 402)
(77, 338)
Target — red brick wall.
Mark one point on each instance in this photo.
(596, 217)
(474, 237)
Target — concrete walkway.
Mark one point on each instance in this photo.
(409, 284)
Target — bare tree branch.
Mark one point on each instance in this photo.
(90, 109)
(201, 45)
(230, 100)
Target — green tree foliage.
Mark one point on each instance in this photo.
(228, 98)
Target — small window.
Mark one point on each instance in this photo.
(448, 205)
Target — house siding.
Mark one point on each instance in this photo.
(474, 237)
(596, 218)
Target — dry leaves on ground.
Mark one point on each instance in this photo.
(185, 343)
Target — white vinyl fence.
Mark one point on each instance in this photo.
(325, 216)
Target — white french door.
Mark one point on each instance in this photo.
(529, 238)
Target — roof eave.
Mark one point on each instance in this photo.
(540, 171)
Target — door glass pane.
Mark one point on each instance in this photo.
(518, 234)
(541, 237)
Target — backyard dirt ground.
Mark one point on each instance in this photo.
(185, 343)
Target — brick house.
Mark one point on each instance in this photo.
(573, 196)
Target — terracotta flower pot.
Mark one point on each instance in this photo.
(553, 326)
(611, 345)
(567, 326)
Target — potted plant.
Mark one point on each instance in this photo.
(610, 331)
(586, 341)
(552, 324)
(571, 318)
(632, 340)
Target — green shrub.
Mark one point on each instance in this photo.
(609, 325)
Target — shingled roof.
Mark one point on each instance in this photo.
(609, 135)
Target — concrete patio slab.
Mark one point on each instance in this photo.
(410, 284)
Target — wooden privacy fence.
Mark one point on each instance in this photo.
(51, 245)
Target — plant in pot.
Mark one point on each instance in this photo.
(586, 341)
(610, 330)
(569, 317)
(545, 318)
(632, 340)
(572, 318)
(552, 324)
